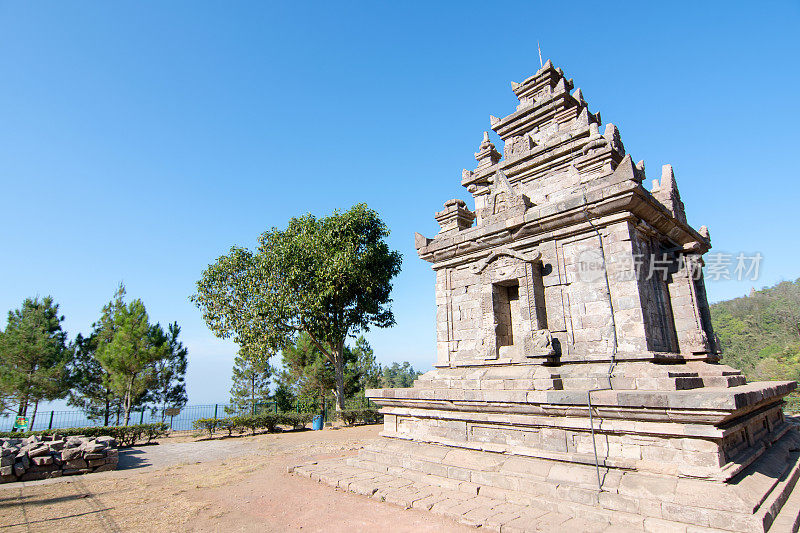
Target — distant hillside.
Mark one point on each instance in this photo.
(760, 333)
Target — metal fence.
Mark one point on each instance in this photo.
(184, 420)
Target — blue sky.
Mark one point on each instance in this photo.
(140, 140)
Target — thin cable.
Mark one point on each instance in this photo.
(613, 325)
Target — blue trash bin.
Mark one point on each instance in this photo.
(317, 423)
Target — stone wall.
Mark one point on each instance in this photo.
(36, 458)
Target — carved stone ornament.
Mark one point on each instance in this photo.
(529, 257)
(542, 343)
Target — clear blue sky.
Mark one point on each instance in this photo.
(140, 140)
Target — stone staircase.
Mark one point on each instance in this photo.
(512, 493)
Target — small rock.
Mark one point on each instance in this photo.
(75, 464)
(94, 448)
(69, 454)
(39, 451)
(106, 441)
(42, 460)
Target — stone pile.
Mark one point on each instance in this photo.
(32, 458)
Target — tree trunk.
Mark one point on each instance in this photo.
(128, 394)
(33, 417)
(253, 394)
(338, 371)
(23, 407)
(108, 408)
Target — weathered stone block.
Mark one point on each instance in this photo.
(75, 464)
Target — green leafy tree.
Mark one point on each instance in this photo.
(251, 381)
(327, 277)
(34, 355)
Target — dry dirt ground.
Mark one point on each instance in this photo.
(227, 485)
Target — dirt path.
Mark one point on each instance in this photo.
(225, 485)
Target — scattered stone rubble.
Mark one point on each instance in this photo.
(577, 371)
(34, 457)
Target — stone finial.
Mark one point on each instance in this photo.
(704, 233)
(667, 176)
(420, 241)
(667, 193)
(611, 134)
(455, 216)
(493, 120)
(578, 95)
(563, 85)
(626, 170)
(487, 154)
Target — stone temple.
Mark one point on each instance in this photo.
(577, 383)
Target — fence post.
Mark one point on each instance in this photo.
(141, 418)
(215, 410)
(50, 425)
(276, 407)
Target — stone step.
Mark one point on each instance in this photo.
(788, 518)
(522, 510)
(661, 500)
(469, 508)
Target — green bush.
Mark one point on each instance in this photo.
(227, 424)
(367, 415)
(207, 424)
(125, 435)
(296, 420)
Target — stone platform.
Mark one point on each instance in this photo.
(577, 371)
(508, 493)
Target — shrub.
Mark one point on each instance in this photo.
(367, 415)
(155, 431)
(227, 424)
(125, 435)
(207, 424)
(296, 420)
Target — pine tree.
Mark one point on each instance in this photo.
(369, 369)
(169, 388)
(399, 375)
(130, 356)
(91, 390)
(312, 372)
(127, 362)
(34, 355)
(251, 381)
